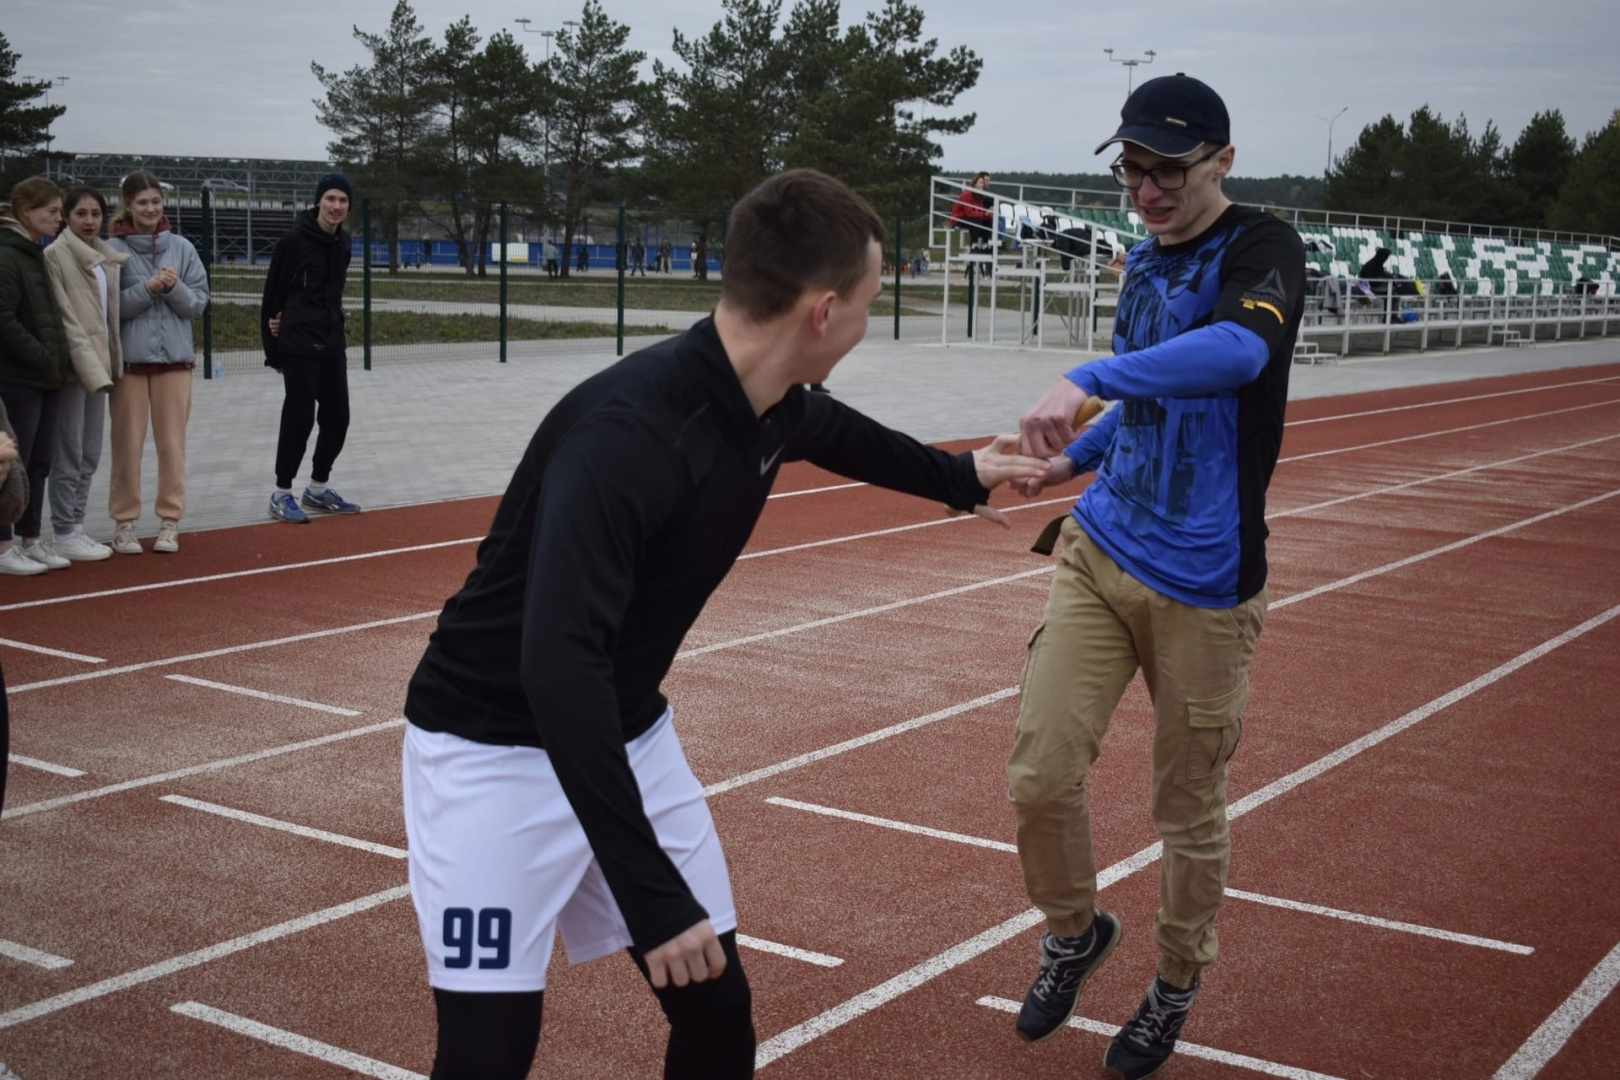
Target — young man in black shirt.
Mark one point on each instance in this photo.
(301, 325)
(544, 786)
(1164, 568)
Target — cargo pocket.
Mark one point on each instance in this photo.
(1029, 661)
(1215, 726)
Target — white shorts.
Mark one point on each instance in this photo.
(498, 860)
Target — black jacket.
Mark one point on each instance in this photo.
(305, 288)
(33, 344)
(634, 498)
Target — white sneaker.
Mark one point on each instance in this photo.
(82, 547)
(15, 562)
(41, 552)
(124, 541)
(168, 540)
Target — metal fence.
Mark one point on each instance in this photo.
(622, 272)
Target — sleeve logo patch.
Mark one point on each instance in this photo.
(1269, 295)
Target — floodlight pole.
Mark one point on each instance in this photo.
(1328, 120)
(1130, 65)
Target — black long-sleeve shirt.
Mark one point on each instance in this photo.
(631, 503)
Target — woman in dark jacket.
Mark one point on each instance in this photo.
(302, 330)
(34, 360)
(13, 501)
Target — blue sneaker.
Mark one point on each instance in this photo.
(285, 507)
(328, 502)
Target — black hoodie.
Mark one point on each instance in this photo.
(305, 288)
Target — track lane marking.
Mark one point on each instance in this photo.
(285, 826)
(263, 695)
(60, 654)
(164, 968)
(1450, 401)
(808, 1031)
(1190, 1049)
(816, 958)
(194, 770)
(298, 1044)
(1547, 1040)
(336, 559)
(27, 955)
(45, 766)
(1237, 894)
(1448, 431)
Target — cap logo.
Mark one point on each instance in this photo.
(1173, 120)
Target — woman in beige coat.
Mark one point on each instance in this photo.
(83, 270)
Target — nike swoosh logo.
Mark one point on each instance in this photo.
(766, 463)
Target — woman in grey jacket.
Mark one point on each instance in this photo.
(84, 277)
(164, 288)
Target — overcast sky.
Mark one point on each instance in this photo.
(231, 79)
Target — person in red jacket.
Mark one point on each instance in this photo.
(974, 211)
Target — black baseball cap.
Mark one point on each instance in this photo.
(1172, 116)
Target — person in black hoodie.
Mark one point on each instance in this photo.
(301, 323)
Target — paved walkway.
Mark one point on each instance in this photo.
(452, 423)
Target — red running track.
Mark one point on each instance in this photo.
(1425, 817)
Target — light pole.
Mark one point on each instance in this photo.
(49, 138)
(545, 144)
(1131, 65)
(1328, 120)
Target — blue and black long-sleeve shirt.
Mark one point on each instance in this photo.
(1203, 344)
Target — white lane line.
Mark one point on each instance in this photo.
(1286, 601)
(1437, 478)
(298, 1044)
(801, 760)
(1545, 1042)
(761, 945)
(888, 823)
(312, 563)
(1385, 924)
(193, 770)
(1239, 894)
(229, 650)
(1447, 401)
(1447, 431)
(815, 491)
(285, 826)
(26, 955)
(1467, 541)
(260, 694)
(1183, 1047)
(848, 615)
(59, 653)
(164, 968)
(796, 762)
(45, 766)
(804, 1033)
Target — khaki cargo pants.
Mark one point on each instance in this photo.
(1100, 626)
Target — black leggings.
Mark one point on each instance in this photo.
(494, 1036)
(312, 380)
(33, 417)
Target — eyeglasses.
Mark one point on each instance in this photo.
(1165, 177)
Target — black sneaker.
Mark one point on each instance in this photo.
(1145, 1043)
(1066, 964)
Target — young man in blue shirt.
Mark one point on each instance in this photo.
(1164, 567)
